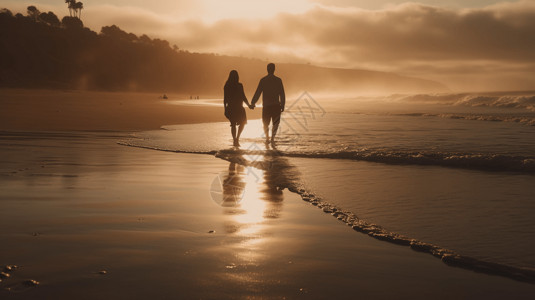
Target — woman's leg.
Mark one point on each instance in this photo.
(240, 129)
(233, 131)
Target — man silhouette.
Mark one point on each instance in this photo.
(273, 99)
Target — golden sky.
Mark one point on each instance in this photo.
(470, 44)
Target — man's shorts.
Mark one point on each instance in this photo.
(271, 113)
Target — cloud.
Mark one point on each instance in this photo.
(350, 36)
(395, 39)
(133, 19)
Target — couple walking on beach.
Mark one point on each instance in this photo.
(273, 98)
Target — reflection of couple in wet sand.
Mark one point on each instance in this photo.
(234, 185)
(273, 98)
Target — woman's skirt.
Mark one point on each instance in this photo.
(236, 115)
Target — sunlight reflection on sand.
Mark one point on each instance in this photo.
(249, 218)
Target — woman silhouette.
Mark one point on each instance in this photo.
(234, 111)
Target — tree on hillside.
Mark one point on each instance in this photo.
(75, 8)
(50, 18)
(163, 44)
(78, 6)
(6, 11)
(72, 23)
(145, 39)
(33, 12)
(115, 32)
(70, 5)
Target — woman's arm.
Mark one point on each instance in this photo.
(244, 98)
(225, 97)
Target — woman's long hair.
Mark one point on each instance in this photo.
(233, 78)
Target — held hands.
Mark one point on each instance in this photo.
(251, 106)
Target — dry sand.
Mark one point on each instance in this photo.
(84, 110)
(88, 218)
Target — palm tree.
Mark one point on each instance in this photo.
(75, 8)
(70, 4)
(78, 6)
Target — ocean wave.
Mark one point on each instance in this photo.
(519, 100)
(476, 161)
(526, 120)
(525, 102)
(134, 143)
(489, 162)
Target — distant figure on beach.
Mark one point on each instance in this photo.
(273, 98)
(233, 101)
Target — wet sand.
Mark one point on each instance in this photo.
(160, 225)
(87, 218)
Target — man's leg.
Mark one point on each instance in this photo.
(265, 120)
(276, 121)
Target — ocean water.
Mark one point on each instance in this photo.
(456, 171)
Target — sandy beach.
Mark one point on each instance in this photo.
(83, 217)
(90, 110)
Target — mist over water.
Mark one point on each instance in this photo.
(455, 170)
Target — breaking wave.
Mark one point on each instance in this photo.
(476, 161)
(526, 120)
(490, 162)
(517, 100)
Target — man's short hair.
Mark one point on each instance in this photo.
(271, 68)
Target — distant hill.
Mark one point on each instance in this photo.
(40, 51)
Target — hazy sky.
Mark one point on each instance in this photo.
(466, 44)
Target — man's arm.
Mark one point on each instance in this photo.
(259, 90)
(283, 97)
(243, 97)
